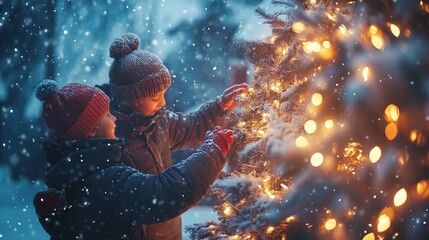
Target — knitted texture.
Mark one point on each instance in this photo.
(73, 111)
(135, 73)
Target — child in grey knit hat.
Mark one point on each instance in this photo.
(138, 81)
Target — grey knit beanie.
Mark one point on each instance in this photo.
(135, 73)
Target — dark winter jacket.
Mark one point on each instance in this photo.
(150, 142)
(107, 199)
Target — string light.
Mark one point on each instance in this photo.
(330, 224)
(383, 223)
(391, 113)
(316, 159)
(316, 99)
(365, 73)
(395, 30)
(400, 197)
(375, 154)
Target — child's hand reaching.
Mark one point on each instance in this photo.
(222, 138)
(227, 100)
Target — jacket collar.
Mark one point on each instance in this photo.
(134, 123)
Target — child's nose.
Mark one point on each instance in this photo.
(162, 101)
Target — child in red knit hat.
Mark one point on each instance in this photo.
(138, 81)
(92, 194)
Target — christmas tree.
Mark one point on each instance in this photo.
(332, 135)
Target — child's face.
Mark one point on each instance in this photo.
(148, 106)
(105, 126)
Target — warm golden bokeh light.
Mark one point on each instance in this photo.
(343, 29)
(377, 41)
(383, 223)
(375, 154)
(395, 30)
(391, 113)
(391, 131)
(423, 188)
(310, 126)
(298, 27)
(365, 73)
(417, 137)
(301, 142)
(307, 47)
(326, 44)
(316, 159)
(276, 87)
(329, 123)
(400, 197)
(276, 103)
(227, 210)
(369, 236)
(315, 47)
(316, 99)
(330, 224)
(270, 230)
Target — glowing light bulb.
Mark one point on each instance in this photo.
(343, 29)
(301, 142)
(276, 103)
(423, 188)
(391, 131)
(285, 51)
(391, 113)
(365, 73)
(375, 154)
(270, 230)
(315, 46)
(369, 236)
(265, 117)
(272, 39)
(395, 30)
(329, 123)
(377, 41)
(316, 159)
(413, 135)
(330, 224)
(316, 99)
(383, 223)
(400, 197)
(227, 211)
(298, 27)
(326, 44)
(310, 126)
(307, 47)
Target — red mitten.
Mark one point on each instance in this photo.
(227, 100)
(49, 206)
(48, 202)
(222, 138)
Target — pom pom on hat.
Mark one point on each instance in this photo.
(45, 89)
(135, 73)
(124, 45)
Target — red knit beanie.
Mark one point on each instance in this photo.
(73, 111)
(135, 73)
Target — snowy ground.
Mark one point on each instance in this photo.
(18, 220)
